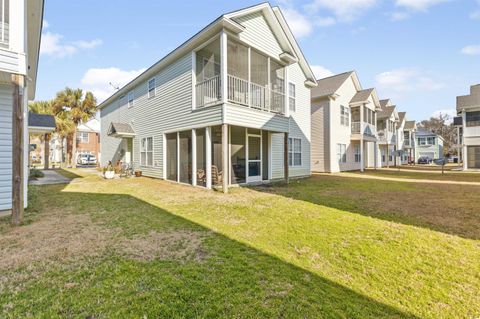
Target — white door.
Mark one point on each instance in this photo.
(254, 158)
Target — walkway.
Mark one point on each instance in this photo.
(51, 177)
(394, 179)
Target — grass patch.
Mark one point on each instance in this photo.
(323, 247)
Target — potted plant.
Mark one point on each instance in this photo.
(138, 173)
(108, 171)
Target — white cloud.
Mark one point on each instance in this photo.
(404, 80)
(344, 10)
(45, 24)
(399, 16)
(321, 72)
(471, 50)
(88, 44)
(301, 25)
(475, 15)
(54, 46)
(418, 5)
(98, 80)
(324, 21)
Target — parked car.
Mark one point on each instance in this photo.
(86, 159)
(424, 160)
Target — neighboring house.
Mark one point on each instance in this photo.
(387, 119)
(229, 106)
(58, 145)
(88, 138)
(20, 29)
(400, 143)
(409, 131)
(344, 130)
(458, 123)
(429, 145)
(468, 107)
(40, 127)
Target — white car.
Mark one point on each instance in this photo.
(86, 159)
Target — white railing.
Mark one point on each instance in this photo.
(4, 27)
(356, 127)
(259, 97)
(208, 92)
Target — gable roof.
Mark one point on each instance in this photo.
(91, 126)
(410, 125)
(385, 112)
(329, 85)
(41, 120)
(228, 22)
(401, 116)
(120, 130)
(361, 96)
(386, 102)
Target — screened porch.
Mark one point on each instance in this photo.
(253, 79)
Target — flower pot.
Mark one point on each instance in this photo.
(109, 174)
(138, 173)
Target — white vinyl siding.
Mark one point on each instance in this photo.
(5, 147)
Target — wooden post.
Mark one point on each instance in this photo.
(46, 153)
(226, 169)
(285, 158)
(18, 160)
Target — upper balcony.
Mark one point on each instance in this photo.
(363, 126)
(4, 23)
(254, 80)
(386, 137)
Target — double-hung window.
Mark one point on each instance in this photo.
(151, 88)
(473, 119)
(291, 97)
(358, 156)
(130, 98)
(422, 141)
(146, 151)
(294, 152)
(431, 140)
(82, 137)
(342, 153)
(344, 116)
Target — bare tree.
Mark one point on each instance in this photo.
(443, 126)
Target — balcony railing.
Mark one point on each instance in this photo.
(241, 92)
(364, 128)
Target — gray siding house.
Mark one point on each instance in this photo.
(229, 106)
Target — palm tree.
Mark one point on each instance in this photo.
(64, 125)
(77, 107)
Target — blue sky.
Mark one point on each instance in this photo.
(419, 53)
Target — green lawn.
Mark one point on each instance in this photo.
(447, 176)
(325, 247)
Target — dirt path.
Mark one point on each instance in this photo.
(406, 180)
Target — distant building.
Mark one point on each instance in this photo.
(88, 138)
(428, 144)
(468, 107)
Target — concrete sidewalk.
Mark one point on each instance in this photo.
(51, 177)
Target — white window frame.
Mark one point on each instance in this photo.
(145, 149)
(131, 98)
(344, 116)
(151, 90)
(429, 139)
(292, 142)
(292, 94)
(422, 141)
(358, 155)
(341, 153)
(81, 139)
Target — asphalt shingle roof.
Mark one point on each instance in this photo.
(41, 120)
(330, 85)
(361, 96)
(120, 128)
(385, 112)
(409, 125)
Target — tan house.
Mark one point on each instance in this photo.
(387, 119)
(344, 129)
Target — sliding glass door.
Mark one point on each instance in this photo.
(172, 156)
(185, 147)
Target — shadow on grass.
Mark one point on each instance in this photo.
(235, 280)
(451, 209)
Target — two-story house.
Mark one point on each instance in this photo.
(344, 131)
(468, 107)
(229, 106)
(387, 119)
(428, 144)
(409, 131)
(20, 29)
(88, 138)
